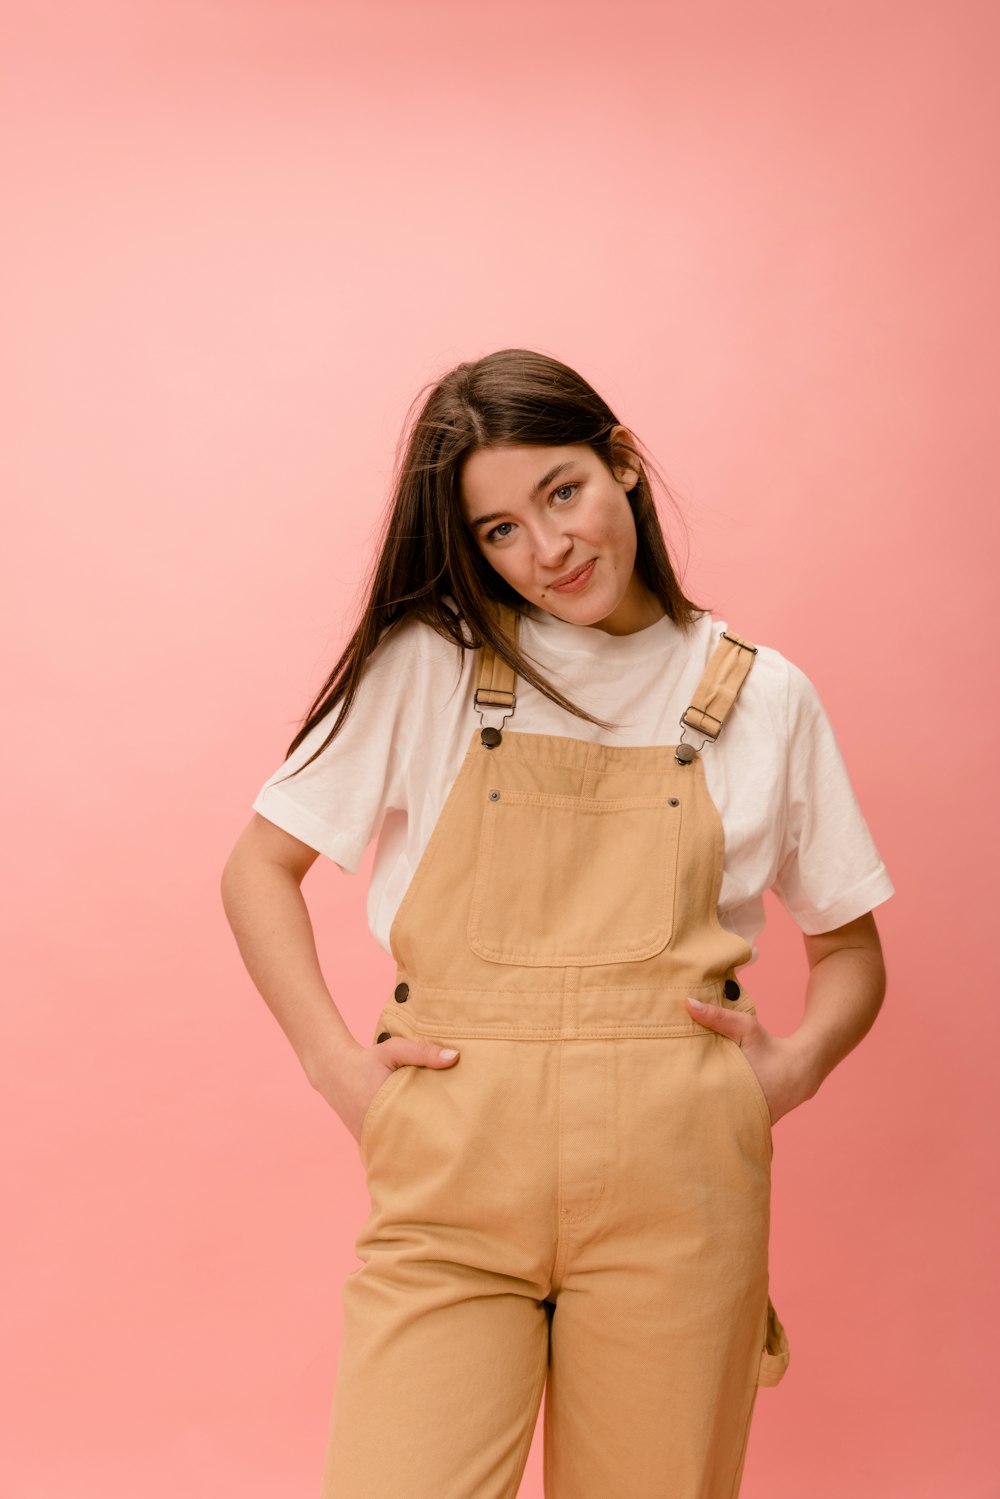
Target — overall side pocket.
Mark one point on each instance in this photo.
(377, 1104)
(752, 1081)
(384, 1090)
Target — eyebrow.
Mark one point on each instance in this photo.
(544, 481)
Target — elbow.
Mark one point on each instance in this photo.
(228, 882)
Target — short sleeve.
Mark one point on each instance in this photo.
(830, 871)
(338, 803)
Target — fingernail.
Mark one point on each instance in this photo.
(696, 1003)
(450, 1052)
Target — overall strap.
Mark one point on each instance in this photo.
(495, 685)
(728, 668)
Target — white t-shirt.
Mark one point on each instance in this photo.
(790, 818)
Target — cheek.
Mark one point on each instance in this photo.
(505, 562)
(625, 530)
(618, 532)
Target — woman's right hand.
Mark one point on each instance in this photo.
(352, 1079)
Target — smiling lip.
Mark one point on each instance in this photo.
(575, 579)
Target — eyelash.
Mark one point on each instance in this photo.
(489, 534)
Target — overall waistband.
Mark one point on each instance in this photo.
(419, 1010)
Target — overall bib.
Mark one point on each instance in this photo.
(581, 1202)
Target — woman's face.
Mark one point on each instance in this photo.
(539, 514)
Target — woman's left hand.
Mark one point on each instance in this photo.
(781, 1068)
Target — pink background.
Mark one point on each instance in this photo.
(239, 238)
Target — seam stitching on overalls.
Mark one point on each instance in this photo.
(575, 1218)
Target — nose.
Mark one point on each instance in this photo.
(551, 548)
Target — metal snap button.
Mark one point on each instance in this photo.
(494, 796)
(400, 993)
(675, 801)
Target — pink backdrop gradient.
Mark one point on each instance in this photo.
(239, 238)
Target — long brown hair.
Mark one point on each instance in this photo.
(426, 549)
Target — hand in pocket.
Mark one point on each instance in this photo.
(776, 1061)
(351, 1082)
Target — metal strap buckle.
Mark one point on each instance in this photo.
(491, 697)
(490, 726)
(744, 645)
(708, 739)
(490, 729)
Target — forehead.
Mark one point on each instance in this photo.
(511, 472)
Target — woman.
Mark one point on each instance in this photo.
(565, 1111)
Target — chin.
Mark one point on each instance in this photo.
(588, 613)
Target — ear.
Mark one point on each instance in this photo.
(624, 464)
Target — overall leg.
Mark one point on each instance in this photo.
(439, 1382)
(662, 1301)
(444, 1347)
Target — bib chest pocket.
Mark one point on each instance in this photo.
(570, 880)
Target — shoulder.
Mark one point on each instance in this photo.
(414, 657)
(773, 678)
(779, 687)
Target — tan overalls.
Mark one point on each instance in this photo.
(580, 1203)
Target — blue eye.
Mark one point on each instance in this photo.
(490, 535)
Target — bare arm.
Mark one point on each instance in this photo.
(267, 911)
(844, 994)
(264, 904)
